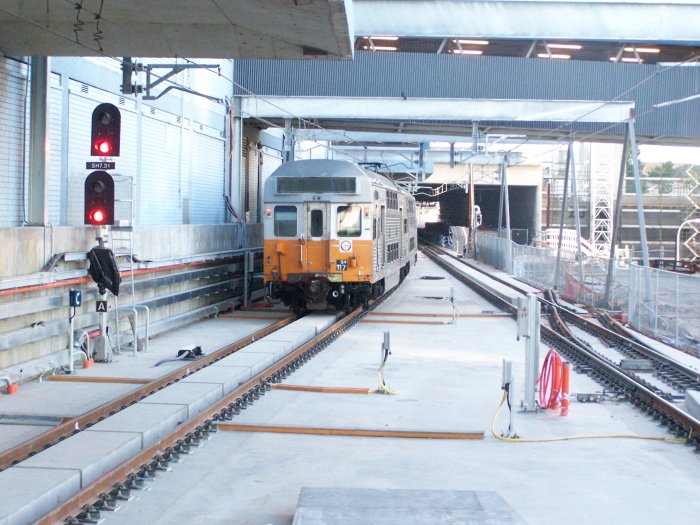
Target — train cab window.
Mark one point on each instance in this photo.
(349, 221)
(316, 223)
(285, 221)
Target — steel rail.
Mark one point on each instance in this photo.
(95, 497)
(588, 325)
(72, 426)
(636, 392)
(682, 423)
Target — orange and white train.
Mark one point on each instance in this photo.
(336, 234)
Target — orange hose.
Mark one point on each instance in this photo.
(550, 381)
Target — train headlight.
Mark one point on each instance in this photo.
(315, 286)
(268, 212)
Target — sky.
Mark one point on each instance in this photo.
(675, 154)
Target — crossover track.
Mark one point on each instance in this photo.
(625, 383)
(73, 425)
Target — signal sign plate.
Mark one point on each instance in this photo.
(100, 165)
(101, 306)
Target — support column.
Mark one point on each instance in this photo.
(288, 155)
(236, 155)
(577, 217)
(39, 72)
(562, 214)
(617, 216)
(640, 209)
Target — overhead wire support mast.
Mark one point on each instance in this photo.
(174, 70)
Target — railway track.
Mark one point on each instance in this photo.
(663, 405)
(72, 426)
(118, 484)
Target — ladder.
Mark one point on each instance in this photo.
(122, 245)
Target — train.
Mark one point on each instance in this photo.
(336, 235)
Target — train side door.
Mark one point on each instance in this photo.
(316, 240)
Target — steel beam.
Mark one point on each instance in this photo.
(671, 21)
(366, 108)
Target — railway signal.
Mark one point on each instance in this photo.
(106, 131)
(99, 199)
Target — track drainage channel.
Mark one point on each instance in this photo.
(432, 277)
(434, 298)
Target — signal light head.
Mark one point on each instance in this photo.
(104, 147)
(97, 216)
(106, 131)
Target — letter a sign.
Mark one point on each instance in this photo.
(101, 306)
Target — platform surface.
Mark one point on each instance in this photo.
(332, 506)
(447, 377)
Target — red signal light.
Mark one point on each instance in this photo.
(97, 216)
(104, 147)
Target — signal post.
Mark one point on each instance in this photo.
(99, 211)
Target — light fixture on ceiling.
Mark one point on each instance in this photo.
(626, 59)
(554, 55)
(642, 50)
(564, 46)
(472, 42)
(467, 51)
(380, 48)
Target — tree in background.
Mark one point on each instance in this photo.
(663, 171)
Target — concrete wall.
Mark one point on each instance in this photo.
(34, 305)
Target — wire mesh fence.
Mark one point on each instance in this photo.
(661, 304)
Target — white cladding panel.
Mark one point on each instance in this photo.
(53, 183)
(162, 178)
(13, 90)
(271, 160)
(207, 182)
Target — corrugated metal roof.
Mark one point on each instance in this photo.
(448, 76)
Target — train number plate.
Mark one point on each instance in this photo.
(341, 264)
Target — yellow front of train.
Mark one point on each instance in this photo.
(318, 234)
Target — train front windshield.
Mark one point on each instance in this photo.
(349, 221)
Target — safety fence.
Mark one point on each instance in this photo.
(664, 305)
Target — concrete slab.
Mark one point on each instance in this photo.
(28, 494)
(90, 453)
(277, 347)
(61, 399)
(228, 377)
(298, 335)
(195, 396)
(13, 435)
(152, 422)
(327, 506)
(256, 361)
(211, 334)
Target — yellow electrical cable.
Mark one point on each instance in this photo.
(455, 316)
(382, 386)
(569, 438)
